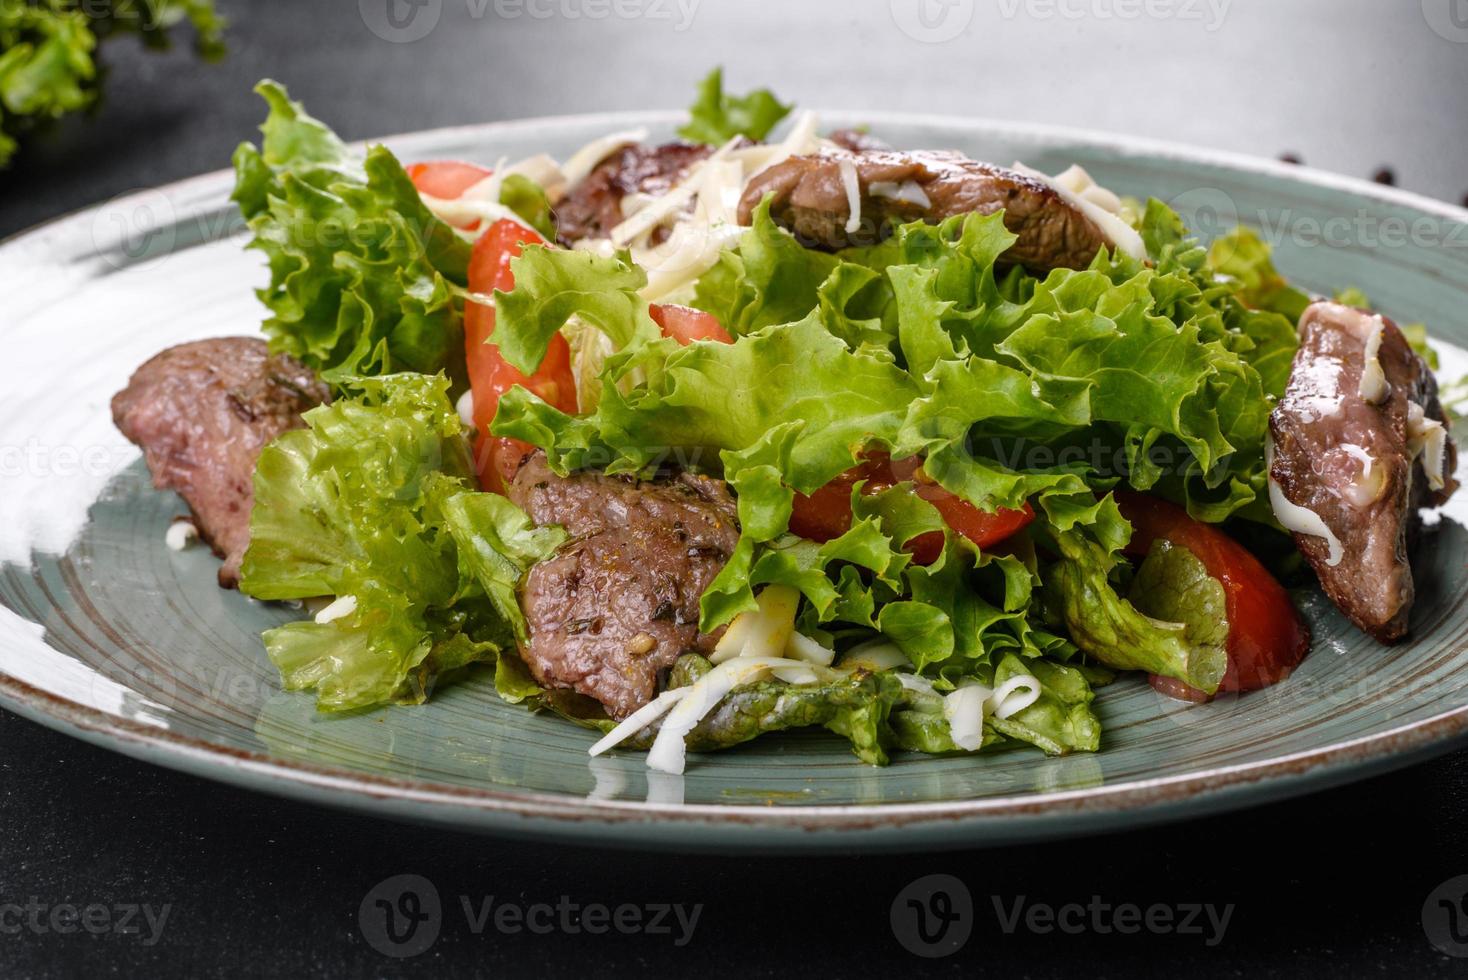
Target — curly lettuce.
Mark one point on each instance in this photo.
(49, 59)
(373, 503)
(363, 277)
(717, 117)
(1013, 389)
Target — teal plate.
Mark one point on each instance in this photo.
(107, 635)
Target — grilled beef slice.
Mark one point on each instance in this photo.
(594, 206)
(201, 413)
(810, 200)
(1326, 432)
(619, 602)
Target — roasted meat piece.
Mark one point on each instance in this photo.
(201, 413)
(812, 196)
(619, 602)
(1360, 447)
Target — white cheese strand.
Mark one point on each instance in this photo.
(1366, 488)
(1374, 387)
(802, 647)
(340, 608)
(916, 682)
(180, 535)
(908, 192)
(461, 211)
(1014, 695)
(1300, 520)
(465, 407)
(964, 710)
(875, 655)
(849, 181)
(639, 719)
(669, 753)
(579, 165)
(1427, 440)
(660, 208)
(1118, 232)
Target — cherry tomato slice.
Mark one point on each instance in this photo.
(490, 375)
(1267, 639)
(685, 324)
(446, 179)
(826, 514)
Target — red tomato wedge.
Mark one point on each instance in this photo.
(685, 324)
(446, 180)
(1267, 639)
(490, 375)
(826, 514)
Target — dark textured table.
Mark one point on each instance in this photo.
(173, 876)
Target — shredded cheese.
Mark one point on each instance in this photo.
(465, 408)
(849, 181)
(640, 719)
(1427, 441)
(180, 535)
(340, 608)
(802, 647)
(579, 165)
(1368, 486)
(1116, 231)
(1374, 387)
(908, 192)
(1300, 520)
(874, 655)
(964, 710)
(763, 632)
(669, 752)
(1014, 695)
(464, 210)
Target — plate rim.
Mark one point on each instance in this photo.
(496, 809)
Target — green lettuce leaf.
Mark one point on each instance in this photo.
(49, 59)
(374, 501)
(1113, 630)
(527, 199)
(554, 284)
(716, 117)
(1060, 722)
(708, 397)
(364, 280)
(1244, 257)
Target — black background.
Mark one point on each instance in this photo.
(1333, 884)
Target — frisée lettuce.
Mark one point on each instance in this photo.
(375, 500)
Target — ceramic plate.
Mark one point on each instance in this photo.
(108, 635)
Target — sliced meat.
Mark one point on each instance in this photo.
(594, 206)
(619, 602)
(858, 141)
(201, 413)
(811, 200)
(1362, 457)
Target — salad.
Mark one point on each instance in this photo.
(772, 427)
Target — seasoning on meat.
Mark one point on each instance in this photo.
(1360, 447)
(594, 206)
(619, 602)
(201, 412)
(812, 199)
